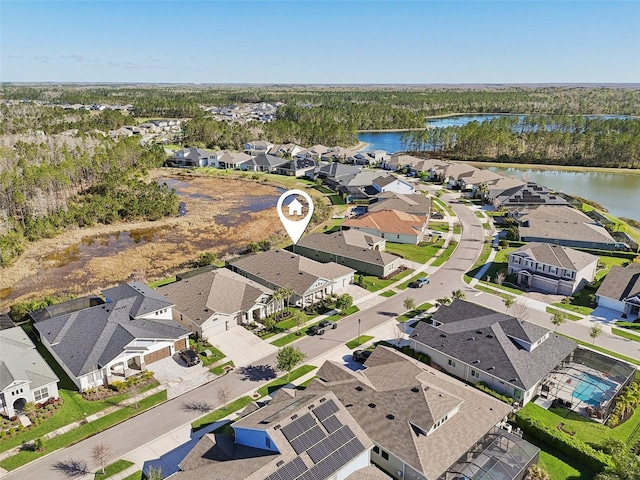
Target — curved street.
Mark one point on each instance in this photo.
(169, 416)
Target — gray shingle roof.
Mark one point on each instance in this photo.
(89, 339)
(351, 244)
(486, 340)
(396, 400)
(414, 203)
(218, 457)
(218, 291)
(621, 282)
(21, 361)
(146, 300)
(529, 194)
(286, 269)
(556, 255)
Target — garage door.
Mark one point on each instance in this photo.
(180, 344)
(158, 355)
(215, 329)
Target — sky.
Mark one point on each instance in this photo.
(320, 42)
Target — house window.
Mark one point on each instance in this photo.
(517, 393)
(475, 374)
(452, 363)
(384, 455)
(267, 441)
(376, 449)
(41, 394)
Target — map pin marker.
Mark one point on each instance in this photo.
(296, 228)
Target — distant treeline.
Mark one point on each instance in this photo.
(45, 188)
(557, 140)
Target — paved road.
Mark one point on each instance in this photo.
(164, 418)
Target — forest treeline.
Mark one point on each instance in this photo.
(47, 187)
(557, 140)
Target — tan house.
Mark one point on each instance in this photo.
(392, 225)
(215, 301)
(551, 268)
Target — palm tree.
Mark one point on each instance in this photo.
(278, 296)
(459, 294)
(508, 303)
(595, 332)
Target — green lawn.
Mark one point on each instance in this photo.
(559, 465)
(110, 470)
(162, 281)
(506, 288)
(271, 387)
(445, 255)
(579, 303)
(388, 293)
(482, 288)
(608, 263)
(219, 414)
(215, 356)
(323, 189)
(586, 430)
(135, 476)
(439, 226)
(457, 229)
(373, 284)
(332, 226)
(406, 283)
(619, 224)
(336, 199)
(415, 253)
(355, 344)
(621, 332)
(498, 264)
(219, 370)
(611, 353)
(573, 318)
(415, 312)
(482, 259)
(480, 215)
(84, 431)
(443, 206)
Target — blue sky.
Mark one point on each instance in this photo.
(307, 41)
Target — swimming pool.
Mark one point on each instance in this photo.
(594, 390)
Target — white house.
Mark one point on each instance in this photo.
(551, 268)
(393, 184)
(620, 291)
(24, 375)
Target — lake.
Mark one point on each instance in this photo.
(619, 193)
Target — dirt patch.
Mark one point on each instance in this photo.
(544, 297)
(222, 215)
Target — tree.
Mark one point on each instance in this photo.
(299, 318)
(154, 473)
(100, 454)
(508, 303)
(224, 394)
(536, 472)
(500, 278)
(409, 303)
(288, 358)
(344, 302)
(595, 332)
(624, 464)
(558, 319)
(205, 259)
(459, 294)
(444, 301)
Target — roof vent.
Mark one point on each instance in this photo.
(491, 368)
(489, 336)
(415, 390)
(280, 463)
(312, 406)
(322, 400)
(277, 427)
(391, 416)
(479, 332)
(372, 405)
(476, 361)
(471, 338)
(359, 388)
(293, 417)
(443, 335)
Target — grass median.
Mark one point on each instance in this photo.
(271, 387)
(110, 470)
(355, 343)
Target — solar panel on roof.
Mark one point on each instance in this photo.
(289, 471)
(330, 444)
(308, 439)
(298, 427)
(325, 410)
(331, 424)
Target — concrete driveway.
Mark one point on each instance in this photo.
(174, 373)
(242, 346)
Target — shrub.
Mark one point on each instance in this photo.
(118, 385)
(486, 389)
(567, 444)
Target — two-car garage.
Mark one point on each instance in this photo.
(165, 351)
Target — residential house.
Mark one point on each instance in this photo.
(550, 268)
(431, 167)
(309, 280)
(257, 147)
(477, 344)
(354, 188)
(399, 161)
(452, 172)
(562, 225)
(212, 302)
(313, 153)
(285, 150)
(525, 195)
(415, 203)
(355, 249)
(120, 338)
(298, 167)
(120, 132)
(6, 322)
(192, 157)
(620, 291)
(296, 436)
(371, 157)
(262, 162)
(477, 179)
(230, 160)
(393, 225)
(339, 154)
(24, 375)
(334, 174)
(391, 183)
(424, 424)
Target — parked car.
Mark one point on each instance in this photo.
(328, 324)
(316, 330)
(190, 357)
(361, 355)
(436, 233)
(419, 283)
(437, 216)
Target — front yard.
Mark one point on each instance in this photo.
(373, 284)
(415, 253)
